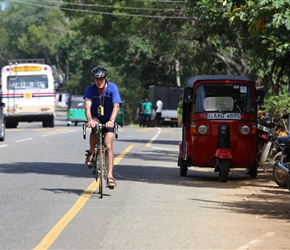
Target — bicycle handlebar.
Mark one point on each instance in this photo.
(100, 126)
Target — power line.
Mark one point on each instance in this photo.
(112, 6)
(100, 12)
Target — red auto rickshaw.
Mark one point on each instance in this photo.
(219, 124)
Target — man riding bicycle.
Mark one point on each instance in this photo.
(102, 101)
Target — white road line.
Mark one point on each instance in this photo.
(59, 133)
(153, 139)
(165, 149)
(257, 241)
(27, 139)
(3, 146)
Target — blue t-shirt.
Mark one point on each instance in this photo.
(107, 100)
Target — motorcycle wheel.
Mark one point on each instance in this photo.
(279, 176)
(288, 181)
(224, 168)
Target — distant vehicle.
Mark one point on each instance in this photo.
(120, 116)
(28, 92)
(2, 122)
(76, 110)
(170, 96)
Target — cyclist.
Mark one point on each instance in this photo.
(102, 101)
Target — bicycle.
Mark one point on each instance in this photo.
(99, 160)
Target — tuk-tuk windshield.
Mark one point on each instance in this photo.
(224, 98)
(76, 105)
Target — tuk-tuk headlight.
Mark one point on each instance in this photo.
(202, 129)
(245, 130)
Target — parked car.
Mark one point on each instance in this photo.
(2, 122)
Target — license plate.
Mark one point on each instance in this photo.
(263, 128)
(167, 119)
(226, 116)
(27, 95)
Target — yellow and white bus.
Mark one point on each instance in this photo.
(28, 92)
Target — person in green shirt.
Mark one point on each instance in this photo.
(147, 112)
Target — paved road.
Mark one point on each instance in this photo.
(49, 197)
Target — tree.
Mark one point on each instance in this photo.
(268, 25)
(34, 31)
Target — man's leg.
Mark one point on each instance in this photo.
(149, 121)
(109, 137)
(93, 141)
(90, 155)
(284, 139)
(144, 120)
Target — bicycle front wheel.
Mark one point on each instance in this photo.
(101, 169)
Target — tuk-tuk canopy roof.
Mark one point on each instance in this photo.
(76, 98)
(191, 80)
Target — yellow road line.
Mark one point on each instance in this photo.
(52, 235)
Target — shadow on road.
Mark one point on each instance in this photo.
(258, 196)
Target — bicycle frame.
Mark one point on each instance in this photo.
(100, 162)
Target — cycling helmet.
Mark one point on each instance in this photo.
(99, 72)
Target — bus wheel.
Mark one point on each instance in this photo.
(44, 123)
(48, 122)
(11, 124)
(51, 122)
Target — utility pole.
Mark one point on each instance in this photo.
(177, 69)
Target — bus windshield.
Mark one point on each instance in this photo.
(27, 82)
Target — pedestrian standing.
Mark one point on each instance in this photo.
(159, 106)
(140, 112)
(147, 112)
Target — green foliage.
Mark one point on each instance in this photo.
(277, 105)
(142, 42)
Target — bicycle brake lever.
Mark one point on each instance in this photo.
(84, 130)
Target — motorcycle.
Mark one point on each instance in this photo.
(272, 150)
(279, 153)
(284, 167)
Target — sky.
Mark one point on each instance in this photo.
(2, 5)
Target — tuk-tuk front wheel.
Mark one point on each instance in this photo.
(224, 168)
(183, 167)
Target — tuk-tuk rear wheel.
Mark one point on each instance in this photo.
(183, 167)
(253, 170)
(224, 168)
